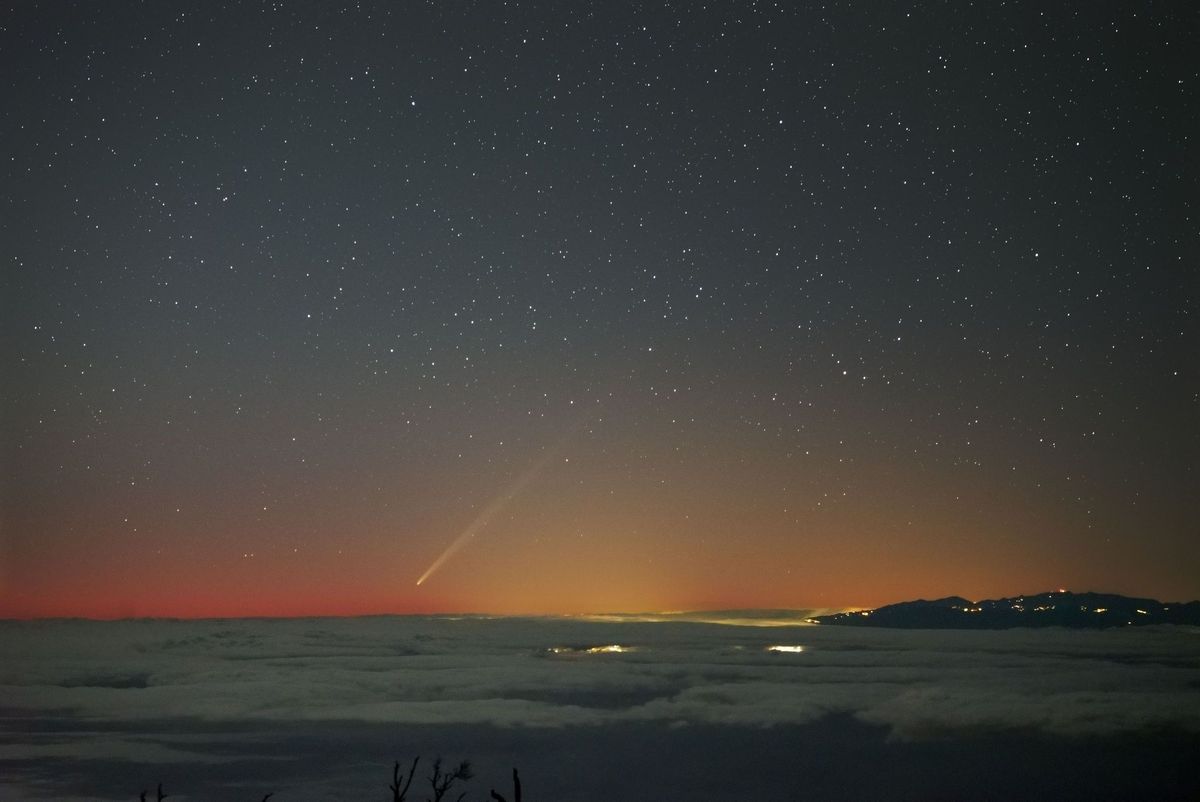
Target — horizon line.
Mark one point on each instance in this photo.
(607, 615)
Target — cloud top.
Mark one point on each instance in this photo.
(553, 673)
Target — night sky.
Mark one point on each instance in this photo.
(626, 307)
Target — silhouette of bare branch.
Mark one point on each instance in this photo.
(441, 782)
(516, 790)
(400, 783)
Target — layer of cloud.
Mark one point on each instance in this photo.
(538, 673)
(318, 709)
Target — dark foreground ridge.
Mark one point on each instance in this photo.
(1058, 609)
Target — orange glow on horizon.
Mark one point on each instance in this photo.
(568, 549)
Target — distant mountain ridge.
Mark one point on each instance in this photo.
(1055, 609)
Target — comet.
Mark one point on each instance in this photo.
(493, 507)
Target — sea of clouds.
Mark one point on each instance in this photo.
(311, 707)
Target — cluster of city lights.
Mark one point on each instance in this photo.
(608, 648)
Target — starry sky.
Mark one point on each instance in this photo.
(614, 306)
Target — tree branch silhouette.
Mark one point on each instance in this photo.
(516, 790)
(441, 782)
(400, 784)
